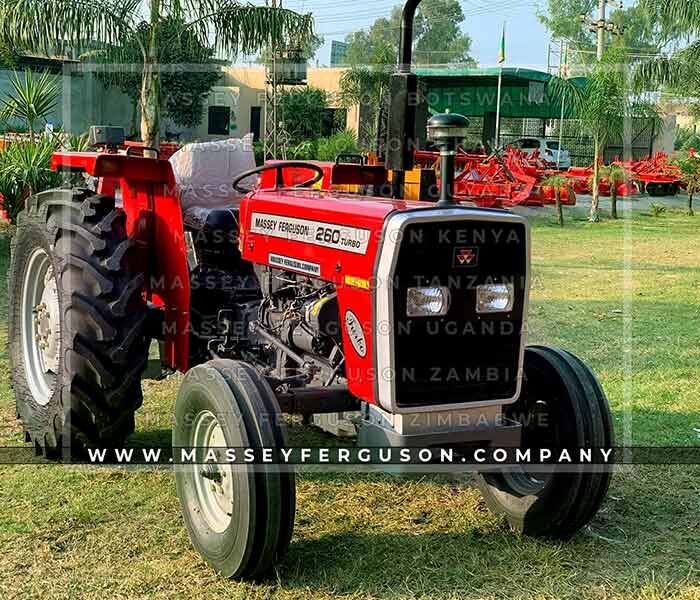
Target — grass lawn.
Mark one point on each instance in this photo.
(109, 533)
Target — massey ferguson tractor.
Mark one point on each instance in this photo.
(294, 297)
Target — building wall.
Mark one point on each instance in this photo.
(85, 101)
(244, 87)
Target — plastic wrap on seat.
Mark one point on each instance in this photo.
(204, 171)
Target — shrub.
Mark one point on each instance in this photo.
(305, 150)
(302, 110)
(657, 209)
(686, 138)
(343, 142)
(25, 169)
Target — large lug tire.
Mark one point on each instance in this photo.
(77, 342)
(240, 518)
(562, 405)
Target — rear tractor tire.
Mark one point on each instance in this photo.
(239, 517)
(562, 405)
(77, 341)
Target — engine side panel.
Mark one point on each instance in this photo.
(326, 236)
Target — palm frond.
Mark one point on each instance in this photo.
(31, 99)
(680, 71)
(246, 29)
(571, 91)
(677, 16)
(49, 25)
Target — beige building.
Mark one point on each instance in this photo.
(236, 106)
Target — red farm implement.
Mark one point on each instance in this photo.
(655, 174)
(506, 178)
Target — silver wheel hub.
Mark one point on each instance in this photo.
(41, 326)
(213, 482)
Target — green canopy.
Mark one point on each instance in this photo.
(473, 92)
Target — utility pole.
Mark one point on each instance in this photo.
(601, 28)
(601, 25)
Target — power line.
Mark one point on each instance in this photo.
(494, 8)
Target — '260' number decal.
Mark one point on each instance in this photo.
(328, 235)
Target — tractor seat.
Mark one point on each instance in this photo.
(205, 171)
(214, 235)
(212, 221)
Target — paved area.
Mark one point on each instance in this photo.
(583, 205)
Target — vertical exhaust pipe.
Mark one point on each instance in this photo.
(401, 138)
(446, 130)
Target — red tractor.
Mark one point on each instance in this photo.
(294, 298)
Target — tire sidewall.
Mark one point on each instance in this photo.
(204, 389)
(38, 419)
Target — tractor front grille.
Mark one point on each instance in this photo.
(462, 356)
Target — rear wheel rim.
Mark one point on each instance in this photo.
(213, 482)
(41, 326)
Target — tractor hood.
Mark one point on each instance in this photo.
(334, 236)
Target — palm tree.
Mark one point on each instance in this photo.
(368, 85)
(227, 25)
(615, 175)
(557, 182)
(31, 100)
(603, 102)
(681, 71)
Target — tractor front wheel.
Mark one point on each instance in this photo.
(562, 405)
(239, 517)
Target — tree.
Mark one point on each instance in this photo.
(603, 104)
(183, 89)
(437, 37)
(9, 58)
(679, 72)
(367, 84)
(224, 25)
(302, 110)
(689, 167)
(305, 52)
(641, 29)
(615, 175)
(31, 100)
(557, 182)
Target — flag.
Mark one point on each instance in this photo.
(502, 47)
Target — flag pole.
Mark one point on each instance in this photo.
(501, 60)
(564, 67)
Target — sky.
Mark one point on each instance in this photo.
(526, 38)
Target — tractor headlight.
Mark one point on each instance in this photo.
(494, 297)
(427, 301)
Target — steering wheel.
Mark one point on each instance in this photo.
(279, 180)
(131, 149)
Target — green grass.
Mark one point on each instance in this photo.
(107, 533)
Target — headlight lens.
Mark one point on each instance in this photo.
(494, 297)
(427, 301)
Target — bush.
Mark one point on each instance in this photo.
(301, 110)
(306, 150)
(686, 138)
(657, 209)
(25, 169)
(343, 142)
